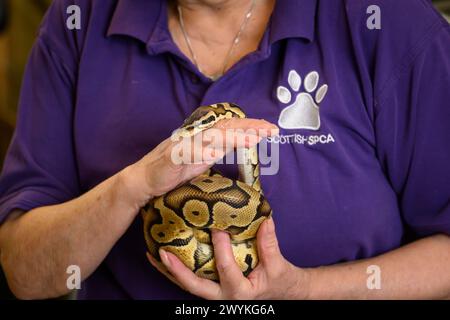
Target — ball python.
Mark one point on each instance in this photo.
(180, 221)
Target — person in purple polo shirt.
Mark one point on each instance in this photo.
(359, 90)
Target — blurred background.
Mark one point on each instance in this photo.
(19, 20)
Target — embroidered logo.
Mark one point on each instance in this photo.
(304, 112)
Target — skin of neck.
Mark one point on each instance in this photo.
(212, 26)
(222, 18)
(217, 7)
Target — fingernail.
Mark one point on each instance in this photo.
(270, 225)
(213, 233)
(164, 257)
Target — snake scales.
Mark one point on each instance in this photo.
(180, 220)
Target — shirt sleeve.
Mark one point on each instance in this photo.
(40, 167)
(412, 126)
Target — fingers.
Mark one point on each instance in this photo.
(204, 288)
(231, 277)
(246, 124)
(231, 139)
(268, 249)
(241, 133)
(213, 144)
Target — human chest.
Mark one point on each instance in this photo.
(324, 181)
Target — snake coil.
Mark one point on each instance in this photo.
(180, 220)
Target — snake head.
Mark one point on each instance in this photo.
(206, 117)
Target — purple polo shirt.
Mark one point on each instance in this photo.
(364, 116)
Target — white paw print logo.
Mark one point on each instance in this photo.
(304, 112)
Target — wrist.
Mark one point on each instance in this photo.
(308, 282)
(299, 287)
(131, 182)
(318, 286)
(303, 287)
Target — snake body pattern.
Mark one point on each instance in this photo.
(181, 220)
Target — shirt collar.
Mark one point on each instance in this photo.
(136, 18)
(293, 19)
(146, 21)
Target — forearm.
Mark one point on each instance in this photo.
(420, 270)
(37, 247)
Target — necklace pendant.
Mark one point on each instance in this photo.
(215, 77)
(234, 44)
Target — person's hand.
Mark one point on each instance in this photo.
(158, 172)
(273, 278)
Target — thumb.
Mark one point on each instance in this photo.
(268, 249)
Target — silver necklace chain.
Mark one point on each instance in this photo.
(233, 46)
